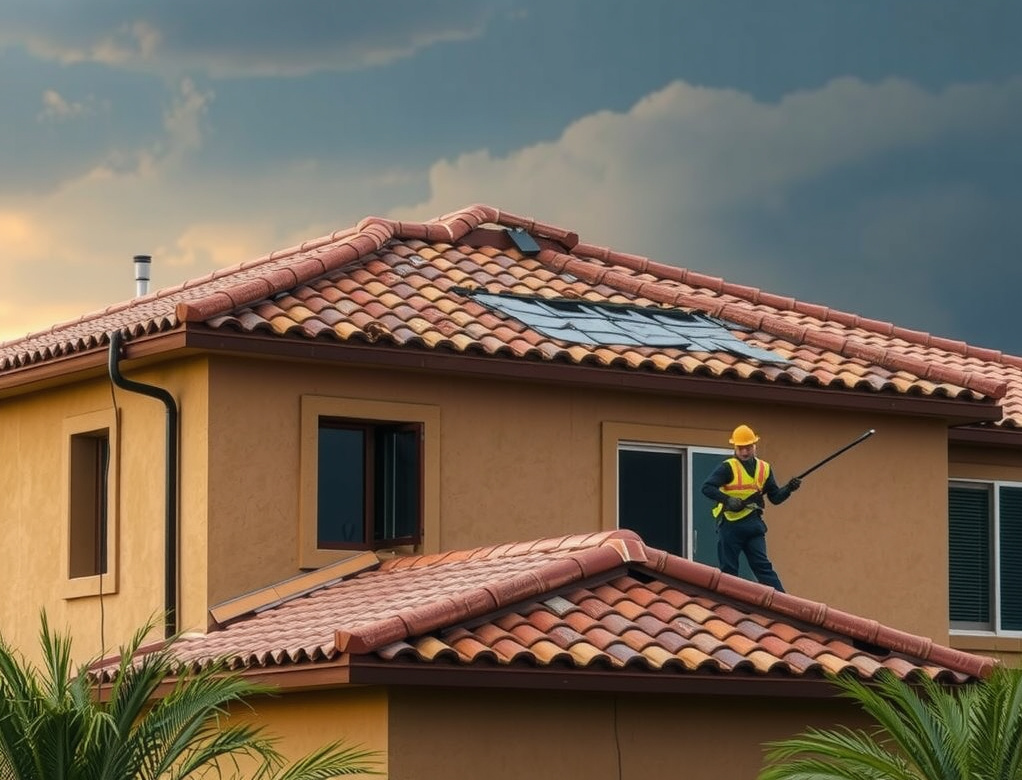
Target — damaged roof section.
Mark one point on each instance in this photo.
(594, 608)
(586, 322)
(396, 285)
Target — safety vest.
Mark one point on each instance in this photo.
(742, 486)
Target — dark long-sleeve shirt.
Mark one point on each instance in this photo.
(722, 476)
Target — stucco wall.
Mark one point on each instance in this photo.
(517, 461)
(551, 735)
(306, 721)
(522, 460)
(34, 517)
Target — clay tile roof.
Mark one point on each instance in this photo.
(403, 285)
(602, 602)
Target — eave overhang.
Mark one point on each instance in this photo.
(986, 437)
(198, 339)
(374, 671)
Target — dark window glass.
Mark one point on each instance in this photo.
(651, 497)
(398, 483)
(341, 492)
(969, 574)
(1011, 558)
(90, 455)
(369, 490)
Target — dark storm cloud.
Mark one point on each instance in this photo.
(240, 37)
(861, 155)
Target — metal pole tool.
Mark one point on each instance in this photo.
(757, 497)
(831, 457)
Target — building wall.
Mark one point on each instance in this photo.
(34, 515)
(306, 721)
(516, 461)
(522, 460)
(988, 463)
(550, 735)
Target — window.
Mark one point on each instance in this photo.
(89, 544)
(369, 477)
(985, 556)
(369, 492)
(656, 481)
(90, 462)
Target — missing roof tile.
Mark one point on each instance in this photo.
(558, 605)
(526, 243)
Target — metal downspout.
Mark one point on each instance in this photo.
(170, 530)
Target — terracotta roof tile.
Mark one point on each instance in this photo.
(523, 604)
(393, 283)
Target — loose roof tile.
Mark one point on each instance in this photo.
(602, 602)
(394, 283)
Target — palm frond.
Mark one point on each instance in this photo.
(52, 723)
(334, 760)
(841, 752)
(923, 731)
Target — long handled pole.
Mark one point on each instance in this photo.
(757, 497)
(831, 457)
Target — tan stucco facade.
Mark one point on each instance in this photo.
(539, 449)
(515, 460)
(551, 735)
(305, 721)
(507, 460)
(33, 478)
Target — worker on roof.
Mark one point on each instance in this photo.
(738, 485)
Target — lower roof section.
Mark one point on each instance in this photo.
(589, 612)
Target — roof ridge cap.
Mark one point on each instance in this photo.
(571, 558)
(760, 320)
(166, 292)
(336, 250)
(877, 633)
(451, 226)
(755, 295)
(899, 361)
(816, 613)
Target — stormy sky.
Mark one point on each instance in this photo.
(862, 155)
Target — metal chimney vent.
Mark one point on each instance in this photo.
(142, 263)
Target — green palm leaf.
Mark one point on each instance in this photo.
(54, 723)
(923, 731)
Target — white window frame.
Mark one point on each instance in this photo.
(995, 531)
(615, 434)
(687, 451)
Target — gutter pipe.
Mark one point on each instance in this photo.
(170, 525)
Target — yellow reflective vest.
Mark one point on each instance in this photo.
(742, 486)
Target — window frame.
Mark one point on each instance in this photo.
(647, 438)
(369, 413)
(994, 486)
(370, 431)
(95, 425)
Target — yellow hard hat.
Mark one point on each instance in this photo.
(743, 436)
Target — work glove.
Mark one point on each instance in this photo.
(732, 504)
(794, 484)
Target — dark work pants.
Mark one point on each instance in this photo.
(748, 536)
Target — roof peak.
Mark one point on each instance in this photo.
(219, 297)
